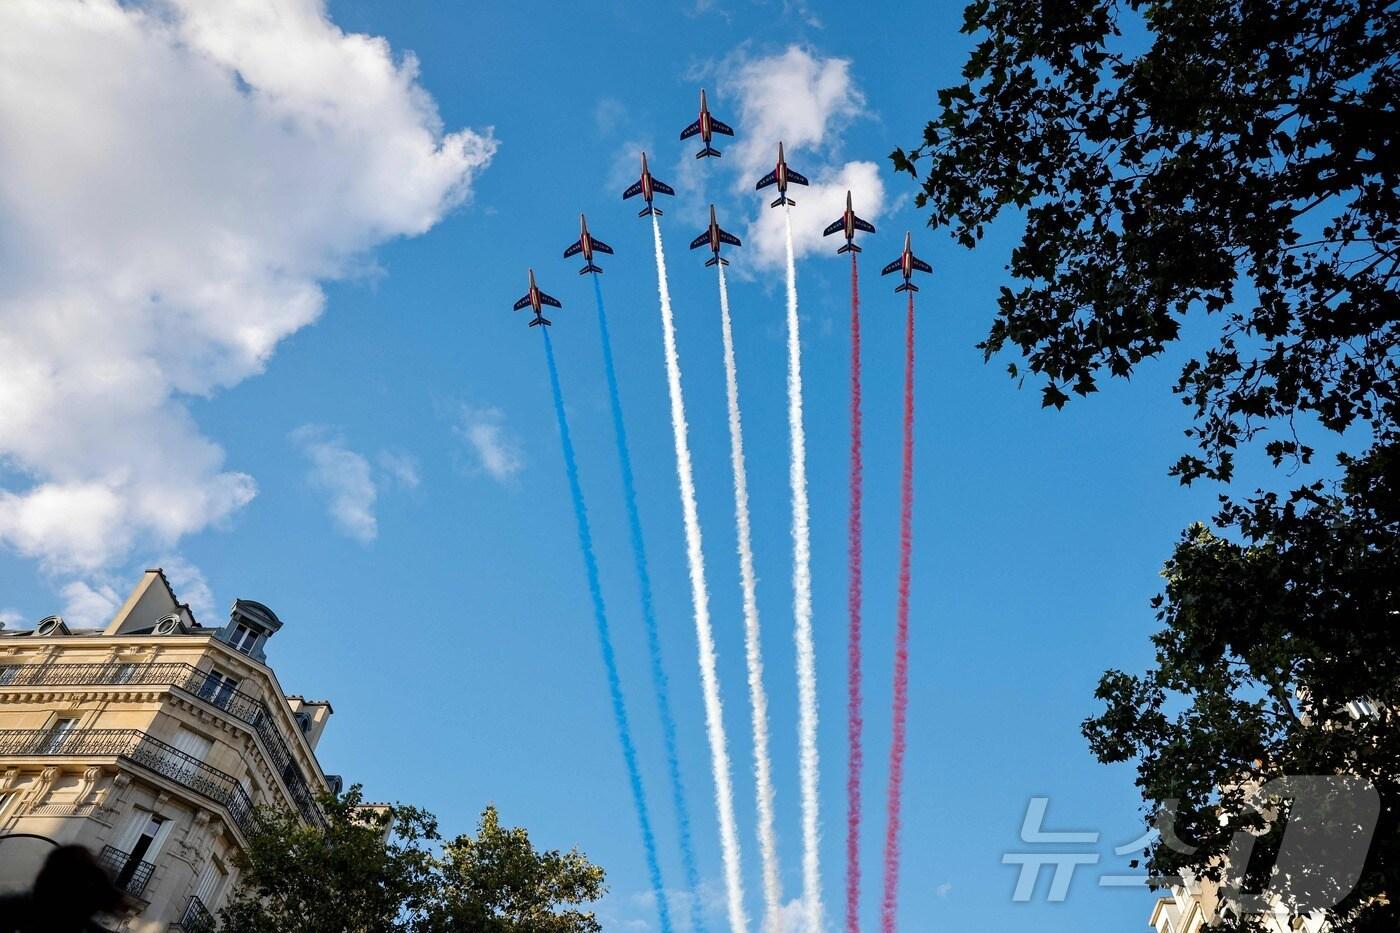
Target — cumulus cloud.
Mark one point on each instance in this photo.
(189, 585)
(494, 449)
(806, 102)
(343, 476)
(176, 178)
(89, 605)
(11, 618)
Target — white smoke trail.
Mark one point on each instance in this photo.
(753, 645)
(802, 611)
(695, 559)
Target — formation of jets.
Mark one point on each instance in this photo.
(714, 236)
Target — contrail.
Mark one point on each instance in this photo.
(695, 559)
(854, 721)
(901, 649)
(600, 616)
(802, 611)
(753, 645)
(658, 670)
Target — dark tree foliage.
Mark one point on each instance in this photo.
(1267, 647)
(1237, 162)
(386, 869)
(1245, 162)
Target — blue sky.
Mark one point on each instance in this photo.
(411, 523)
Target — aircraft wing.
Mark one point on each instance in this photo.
(720, 128)
(662, 187)
(770, 179)
(700, 241)
(921, 265)
(727, 237)
(892, 267)
(633, 191)
(521, 303)
(575, 249)
(549, 300)
(865, 225)
(796, 178)
(691, 130)
(835, 225)
(600, 247)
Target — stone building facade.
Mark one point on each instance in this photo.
(150, 741)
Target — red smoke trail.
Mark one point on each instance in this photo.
(901, 643)
(854, 722)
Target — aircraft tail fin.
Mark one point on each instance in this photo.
(541, 320)
(591, 267)
(716, 261)
(906, 287)
(649, 211)
(783, 199)
(848, 248)
(708, 151)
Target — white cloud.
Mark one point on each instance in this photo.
(88, 605)
(189, 585)
(495, 451)
(806, 102)
(12, 618)
(944, 889)
(176, 178)
(400, 468)
(344, 477)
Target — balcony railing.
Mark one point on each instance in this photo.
(206, 685)
(136, 746)
(196, 918)
(129, 875)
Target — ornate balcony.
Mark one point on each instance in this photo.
(195, 918)
(129, 875)
(135, 746)
(205, 685)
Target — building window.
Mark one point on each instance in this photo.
(218, 688)
(243, 639)
(61, 729)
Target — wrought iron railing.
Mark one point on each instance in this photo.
(130, 875)
(145, 750)
(208, 686)
(196, 918)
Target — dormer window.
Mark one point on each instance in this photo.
(303, 721)
(243, 638)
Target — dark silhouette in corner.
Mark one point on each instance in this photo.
(69, 891)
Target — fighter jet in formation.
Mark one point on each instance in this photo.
(781, 176)
(907, 264)
(706, 126)
(648, 188)
(849, 223)
(587, 245)
(535, 300)
(715, 237)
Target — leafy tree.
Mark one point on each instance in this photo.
(497, 883)
(386, 869)
(367, 872)
(1245, 161)
(1237, 161)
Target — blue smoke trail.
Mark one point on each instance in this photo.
(600, 616)
(658, 671)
